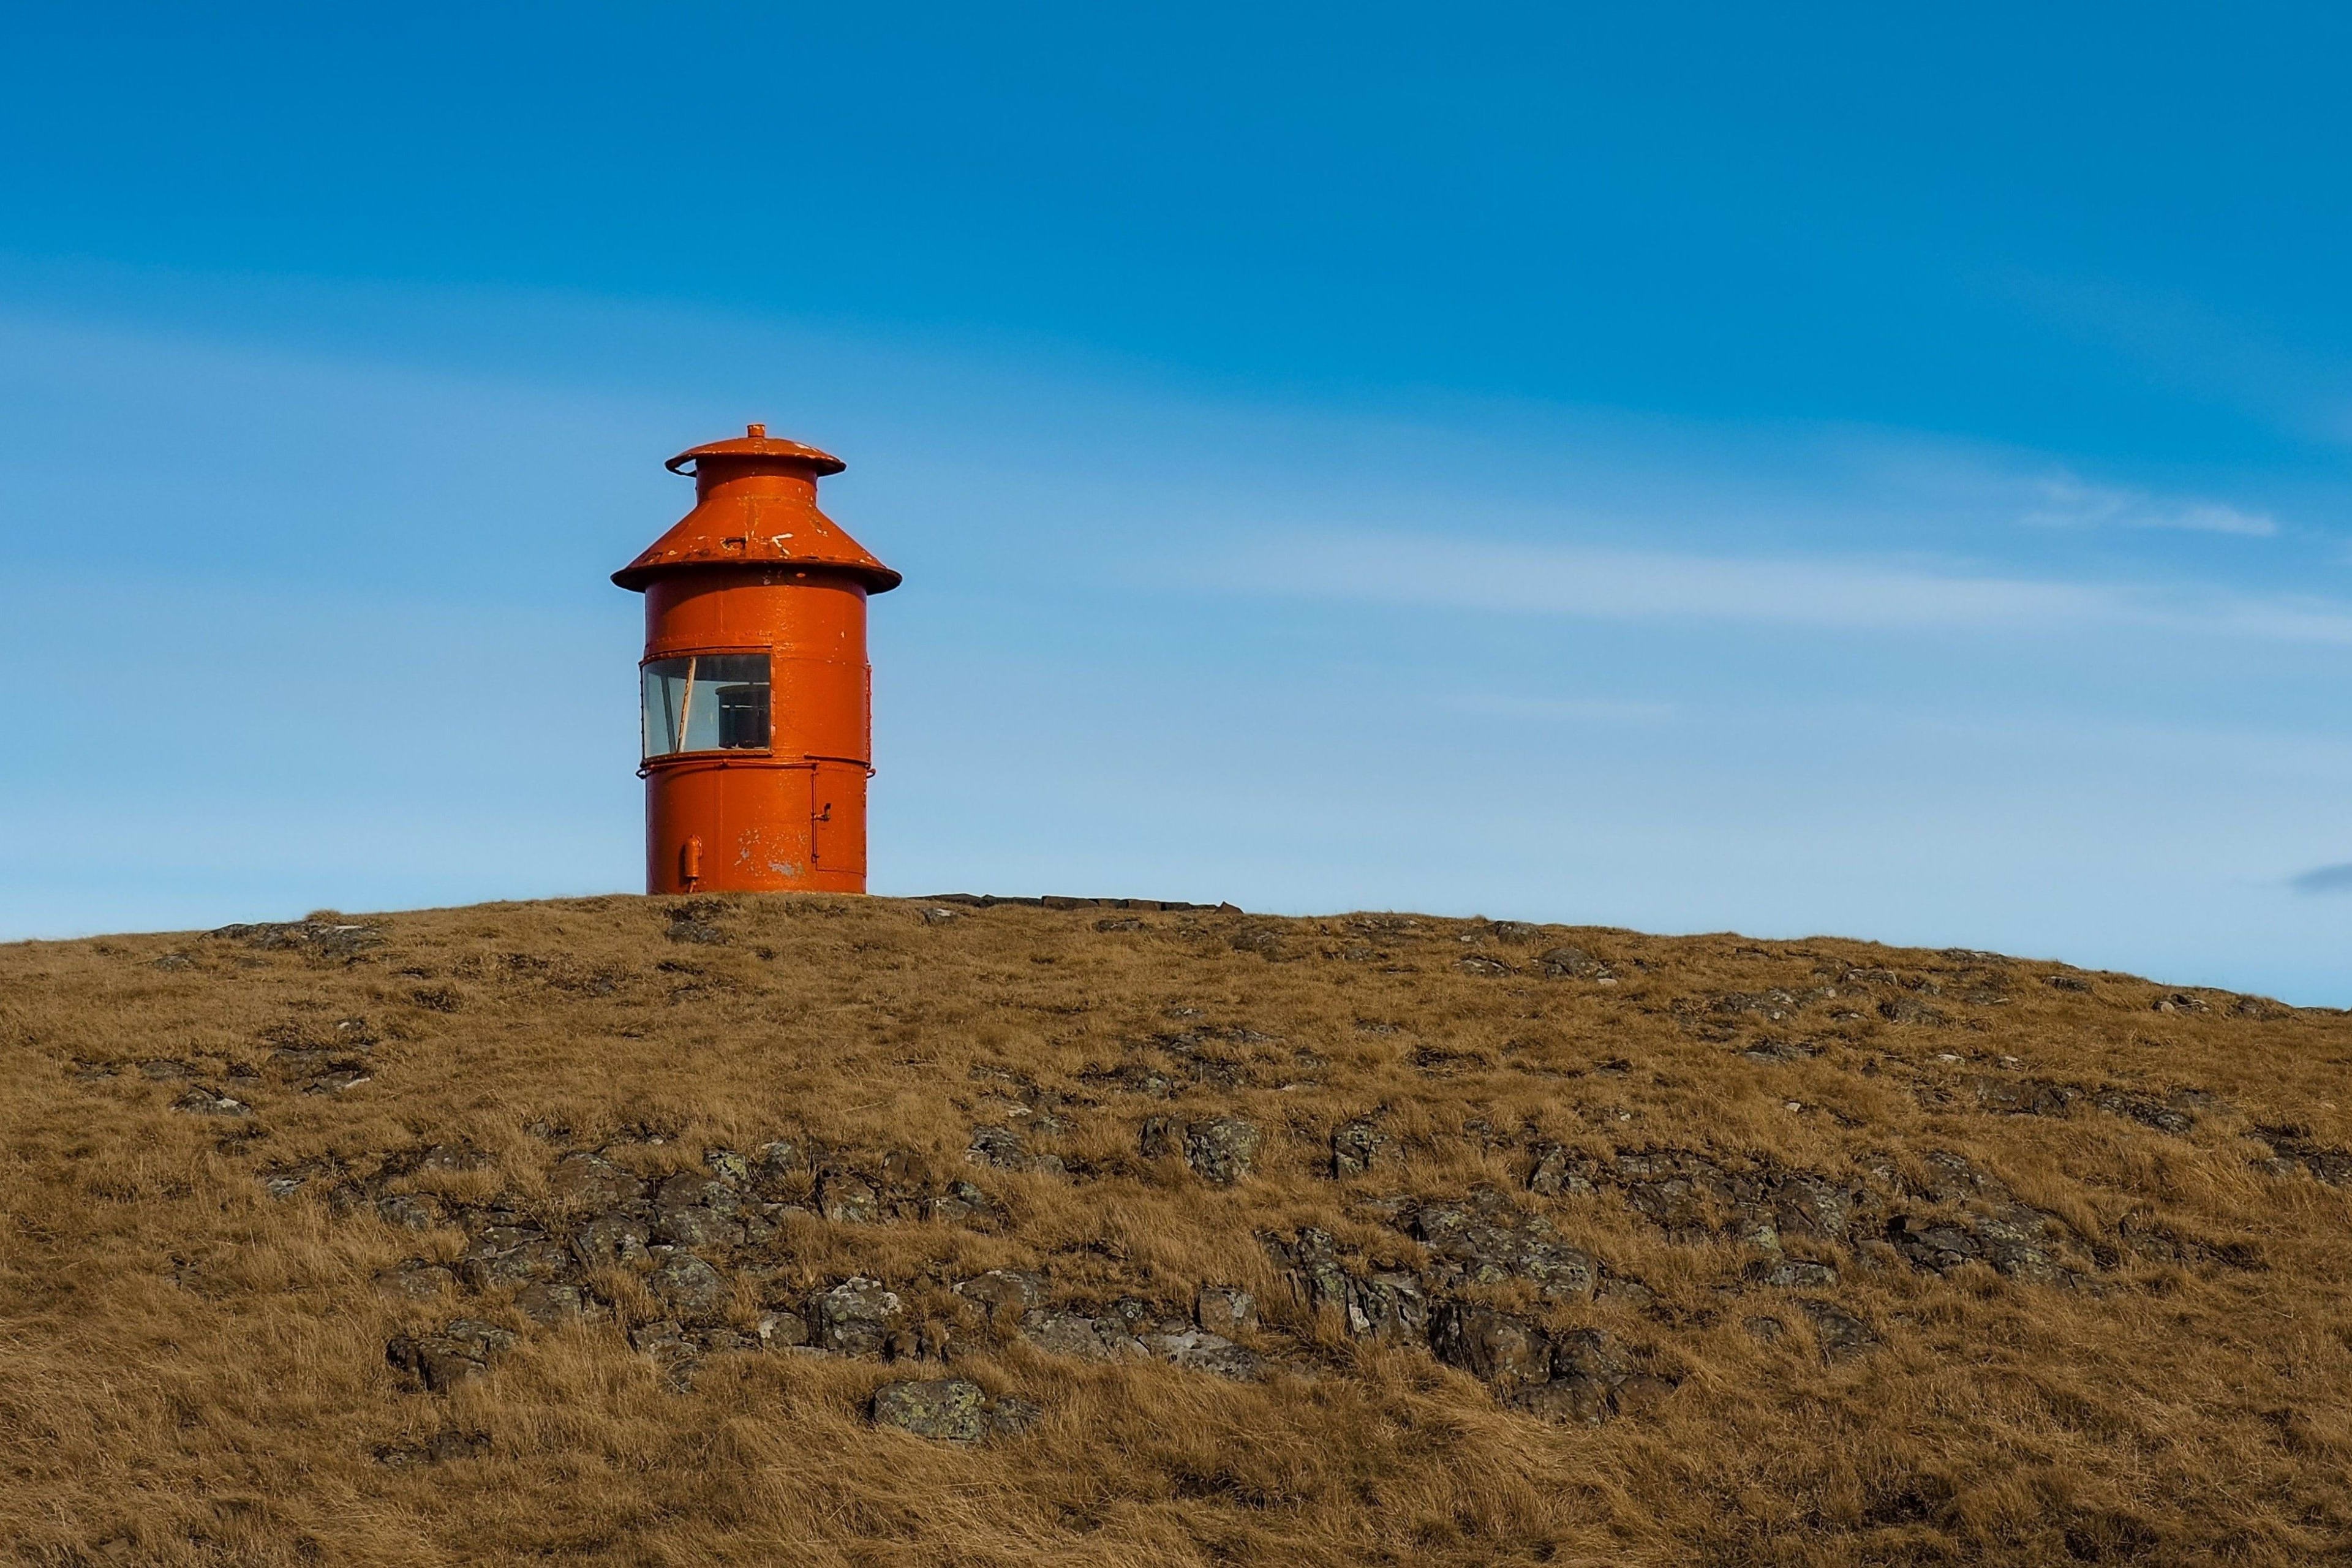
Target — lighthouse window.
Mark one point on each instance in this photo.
(705, 703)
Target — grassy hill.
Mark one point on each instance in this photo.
(864, 1231)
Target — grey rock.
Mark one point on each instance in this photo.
(1136, 1077)
(1573, 962)
(1264, 940)
(1076, 1334)
(2023, 1096)
(2017, 1240)
(1004, 1292)
(302, 1061)
(1589, 1353)
(687, 1284)
(780, 1328)
(1774, 1005)
(1940, 1244)
(416, 1280)
(1911, 1010)
(845, 1199)
(547, 1302)
(410, 1211)
(201, 1101)
(998, 1146)
(434, 1362)
(689, 1190)
(688, 927)
(1222, 1149)
(960, 1203)
(294, 1061)
(2295, 1145)
(617, 1235)
(1203, 1352)
(338, 1077)
(1358, 1146)
(946, 1409)
(2146, 1109)
(483, 1340)
(664, 1338)
(694, 1210)
(1497, 1347)
(694, 1226)
(1670, 1189)
(526, 1263)
(1792, 1272)
(1808, 1206)
(1320, 1281)
(1389, 1306)
(591, 1181)
(512, 1255)
(462, 1350)
(1559, 1173)
(330, 938)
(1589, 1376)
(1224, 1309)
(856, 1317)
(2021, 1242)
(1485, 1241)
(1840, 1335)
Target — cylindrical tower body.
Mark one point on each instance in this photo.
(757, 698)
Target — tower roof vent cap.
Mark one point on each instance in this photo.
(755, 442)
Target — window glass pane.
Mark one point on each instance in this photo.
(705, 703)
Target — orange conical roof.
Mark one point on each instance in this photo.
(755, 505)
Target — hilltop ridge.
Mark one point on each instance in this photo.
(839, 1230)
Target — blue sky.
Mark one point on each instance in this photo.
(1694, 468)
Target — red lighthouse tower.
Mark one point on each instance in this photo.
(757, 694)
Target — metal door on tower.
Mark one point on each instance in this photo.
(837, 820)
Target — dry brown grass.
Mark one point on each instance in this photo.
(195, 1371)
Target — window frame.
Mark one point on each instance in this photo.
(645, 731)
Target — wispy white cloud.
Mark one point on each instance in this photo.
(1825, 592)
(2061, 501)
(1581, 709)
